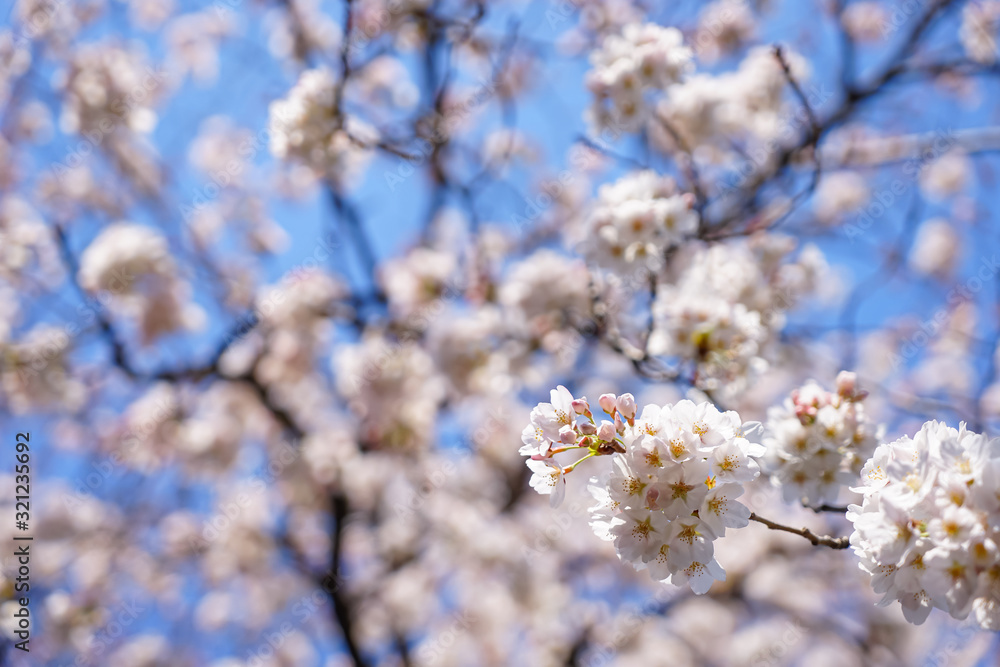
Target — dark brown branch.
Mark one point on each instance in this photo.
(118, 352)
(836, 509)
(817, 540)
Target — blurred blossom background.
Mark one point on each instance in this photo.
(281, 281)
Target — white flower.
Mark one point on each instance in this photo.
(416, 280)
(640, 533)
(625, 486)
(730, 463)
(704, 420)
(713, 111)
(719, 510)
(672, 485)
(626, 406)
(724, 304)
(951, 577)
(818, 442)
(690, 541)
(547, 479)
(535, 442)
(644, 57)
(133, 264)
(928, 527)
(681, 488)
(908, 587)
(305, 127)
(954, 527)
(551, 417)
(546, 292)
(700, 575)
(634, 221)
(603, 515)
(936, 249)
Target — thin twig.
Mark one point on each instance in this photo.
(817, 540)
(687, 164)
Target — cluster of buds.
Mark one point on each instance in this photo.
(566, 424)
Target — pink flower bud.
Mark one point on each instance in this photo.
(606, 432)
(847, 383)
(607, 403)
(619, 424)
(626, 406)
(581, 406)
(805, 413)
(567, 435)
(587, 428)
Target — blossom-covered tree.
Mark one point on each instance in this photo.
(304, 303)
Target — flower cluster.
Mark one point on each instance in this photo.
(978, 31)
(308, 127)
(724, 27)
(635, 220)
(417, 279)
(710, 111)
(817, 441)
(36, 372)
(544, 294)
(929, 526)
(133, 264)
(107, 87)
(675, 475)
(724, 304)
(643, 57)
(394, 388)
(25, 241)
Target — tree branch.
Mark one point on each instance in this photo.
(817, 540)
